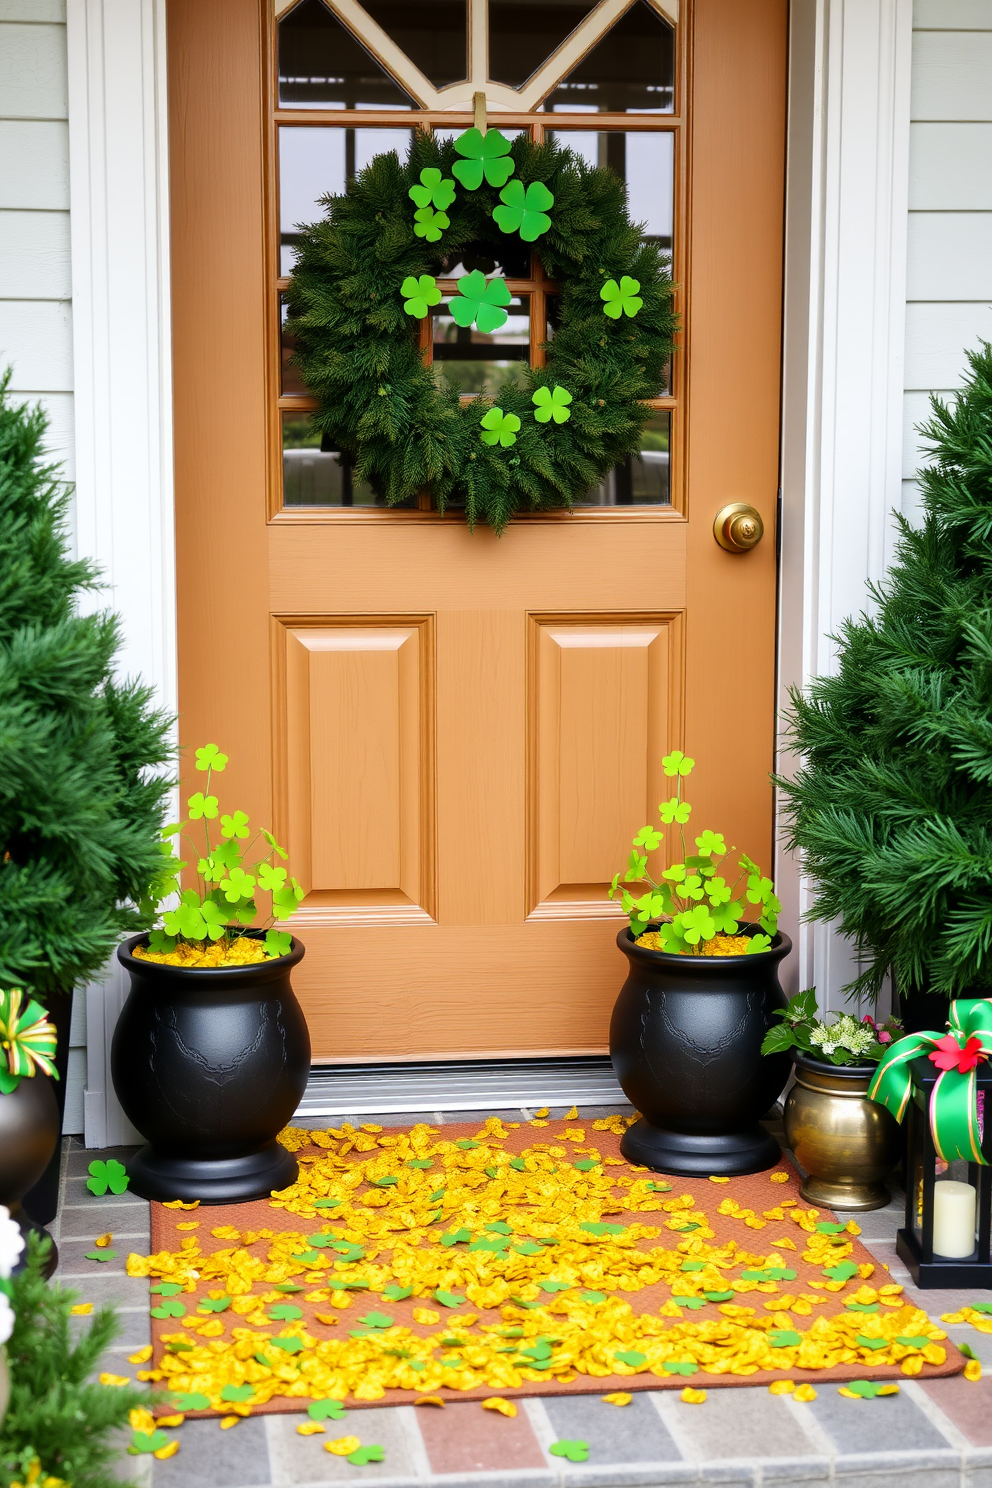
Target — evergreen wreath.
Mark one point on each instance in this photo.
(365, 277)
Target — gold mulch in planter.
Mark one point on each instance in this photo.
(242, 951)
(720, 945)
(488, 1259)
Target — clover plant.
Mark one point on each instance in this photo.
(692, 903)
(231, 873)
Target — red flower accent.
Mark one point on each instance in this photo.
(883, 1037)
(951, 1055)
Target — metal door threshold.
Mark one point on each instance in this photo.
(461, 1085)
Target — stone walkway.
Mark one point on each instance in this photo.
(931, 1435)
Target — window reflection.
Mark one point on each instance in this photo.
(644, 479)
(477, 363)
(314, 474)
(524, 33)
(645, 161)
(632, 70)
(321, 65)
(431, 33)
(317, 161)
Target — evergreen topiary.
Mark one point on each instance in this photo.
(57, 1414)
(891, 808)
(80, 807)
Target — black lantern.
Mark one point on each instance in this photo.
(929, 1213)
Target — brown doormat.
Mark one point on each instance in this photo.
(488, 1259)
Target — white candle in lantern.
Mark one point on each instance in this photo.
(953, 1218)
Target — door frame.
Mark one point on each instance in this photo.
(846, 208)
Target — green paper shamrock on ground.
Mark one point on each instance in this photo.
(110, 1175)
(586, 1164)
(679, 1366)
(190, 1402)
(456, 1237)
(326, 1203)
(853, 1306)
(448, 1299)
(719, 1296)
(593, 1296)
(500, 428)
(395, 1293)
(555, 1286)
(288, 1345)
(863, 1341)
(420, 1162)
(575, 1451)
(499, 1227)
(784, 1338)
(285, 1312)
(143, 1441)
(389, 1181)
(601, 1227)
(692, 1302)
(552, 403)
(434, 190)
(377, 1320)
(485, 156)
(430, 224)
(326, 1410)
(165, 1288)
(919, 1341)
(100, 1255)
(169, 1308)
(868, 1389)
(362, 1456)
(843, 1271)
(479, 302)
(348, 1251)
(632, 1358)
(525, 211)
(621, 299)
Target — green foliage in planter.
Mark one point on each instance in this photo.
(891, 808)
(55, 1414)
(80, 810)
(847, 1040)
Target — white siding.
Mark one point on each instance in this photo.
(35, 282)
(949, 269)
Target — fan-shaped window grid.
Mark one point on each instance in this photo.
(316, 160)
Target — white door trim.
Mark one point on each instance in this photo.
(119, 206)
(845, 292)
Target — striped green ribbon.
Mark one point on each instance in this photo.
(953, 1103)
(27, 1040)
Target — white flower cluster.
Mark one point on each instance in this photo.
(11, 1245)
(847, 1033)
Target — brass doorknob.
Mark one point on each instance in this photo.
(738, 527)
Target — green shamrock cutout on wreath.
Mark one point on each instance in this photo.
(419, 295)
(480, 301)
(526, 211)
(110, 1175)
(430, 224)
(499, 427)
(552, 403)
(621, 299)
(435, 190)
(485, 156)
(575, 1451)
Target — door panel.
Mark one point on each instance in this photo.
(457, 735)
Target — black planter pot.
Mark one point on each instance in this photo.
(210, 1064)
(29, 1134)
(685, 1040)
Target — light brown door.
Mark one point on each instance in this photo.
(456, 735)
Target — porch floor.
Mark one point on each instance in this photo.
(936, 1434)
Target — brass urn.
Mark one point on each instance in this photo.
(846, 1144)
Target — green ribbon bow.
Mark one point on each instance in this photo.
(953, 1104)
(27, 1040)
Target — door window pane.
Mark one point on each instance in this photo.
(318, 160)
(321, 65)
(645, 478)
(524, 33)
(510, 256)
(645, 161)
(430, 32)
(632, 70)
(476, 363)
(315, 475)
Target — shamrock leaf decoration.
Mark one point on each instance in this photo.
(843, 1271)
(430, 224)
(288, 1345)
(190, 1402)
(499, 427)
(171, 1307)
(484, 158)
(674, 811)
(394, 1293)
(434, 190)
(285, 900)
(377, 1320)
(853, 1306)
(285, 1312)
(586, 1164)
(145, 1441)
(593, 1297)
(104, 1176)
(100, 1255)
(361, 1456)
(632, 1358)
(278, 942)
(165, 1288)
(690, 1302)
(915, 1341)
(574, 1450)
(234, 826)
(677, 763)
(448, 1299)
(273, 843)
(217, 1304)
(680, 1366)
(480, 301)
(524, 211)
(867, 1389)
(237, 885)
(552, 403)
(200, 805)
(784, 1338)
(210, 758)
(711, 844)
(238, 1393)
(863, 1341)
(621, 299)
(828, 1227)
(419, 294)
(456, 1237)
(326, 1410)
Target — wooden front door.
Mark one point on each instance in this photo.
(456, 735)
